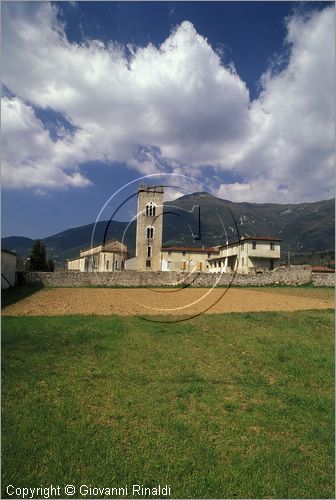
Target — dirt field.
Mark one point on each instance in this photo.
(168, 302)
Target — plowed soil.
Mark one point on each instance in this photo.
(166, 301)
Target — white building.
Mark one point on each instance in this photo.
(8, 269)
(187, 259)
(109, 256)
(250, 254)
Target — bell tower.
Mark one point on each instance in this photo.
(149, 228)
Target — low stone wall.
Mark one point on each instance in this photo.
(295, 275)
(323, 279)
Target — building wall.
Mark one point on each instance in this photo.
(184, 261)
(76, 264)
(131, 264)
(263, 249)
(8, 269)
(110, 261)
(147, 195)
(98, 262)
(262, 264)
(261, 257)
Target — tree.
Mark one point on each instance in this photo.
(38, 260)
(50, 266)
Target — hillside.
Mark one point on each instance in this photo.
(305, 228)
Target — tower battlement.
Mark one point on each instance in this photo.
(151, 189)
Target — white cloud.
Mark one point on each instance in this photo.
(29, 157)
(290, 152)
(175, 104)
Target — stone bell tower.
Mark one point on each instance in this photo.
(149, 228)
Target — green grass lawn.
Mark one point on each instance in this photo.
(222, 406)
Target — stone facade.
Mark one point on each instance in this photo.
(149, 228)
(323, 279)
(295, 275)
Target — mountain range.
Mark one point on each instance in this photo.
(201, 219)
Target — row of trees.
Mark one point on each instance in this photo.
(38, 258)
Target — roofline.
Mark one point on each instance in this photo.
(322, 269)
(251, 238)
(189, 249)
(96, 253)
(148, 188)
(101, 244)
(222, 257)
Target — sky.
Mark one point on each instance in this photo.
(238, 96)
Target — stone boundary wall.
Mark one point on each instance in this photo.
(323, 279)
(295, 275)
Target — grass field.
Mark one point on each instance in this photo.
(221, 406)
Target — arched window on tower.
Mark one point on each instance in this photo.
(150, 209)
(150, 232)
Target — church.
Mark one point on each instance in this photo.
(249, 254)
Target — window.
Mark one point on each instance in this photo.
(183, 253)
(272, 265)
(117, 265)
(254, 245)
(183, 265)
(150, 232)
(272, 245)
(150, 209)
(149, 251)
(169, 265)
(148, 263)
(107, 264)
(242, 261)
(209, 255)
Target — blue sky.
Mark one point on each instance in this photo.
(238, 95)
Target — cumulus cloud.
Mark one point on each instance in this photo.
(29, 157)
(174, 107)
(290, 153)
